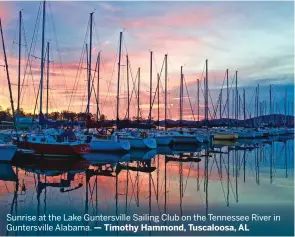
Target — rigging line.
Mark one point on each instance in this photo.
(27, 55)
(133, 90)
(250, 103)
(225, 105)
(132, 78)
(161, 84)
(110, 81)
(155, 94)
(58, 49)
(35, 34)
(134, 85)
(36, 103)
(201, 79)
(79, 65)
(92, 87)
(189, 98)
(157, 89)
(168, 79)
(131, 73)
(220, 97)
(212, 104)
(230, 89)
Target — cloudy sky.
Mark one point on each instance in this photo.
(254, 38)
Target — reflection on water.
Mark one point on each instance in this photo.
(225, 179)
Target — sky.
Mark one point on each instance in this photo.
(253, 38)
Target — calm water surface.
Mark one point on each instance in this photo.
(226, 179)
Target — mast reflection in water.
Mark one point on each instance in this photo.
(223, 179)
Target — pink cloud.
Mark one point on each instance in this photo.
(183, 18)
(5, 11)
(109, 7)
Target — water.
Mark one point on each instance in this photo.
(241, 179)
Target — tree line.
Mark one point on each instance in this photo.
(6, 115)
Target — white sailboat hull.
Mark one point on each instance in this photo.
(141, 143)
(109, 145)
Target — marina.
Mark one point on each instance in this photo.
(169, 154)
(210, 184)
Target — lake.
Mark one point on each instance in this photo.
(114, 193)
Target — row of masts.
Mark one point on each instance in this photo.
(236, 96)
(42, 64)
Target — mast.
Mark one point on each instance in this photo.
(198, 98)
(205, 99)
(87, 73)
(244, 103)
(236, 101)
(158, 101)
(19, 61)
(128, 102)
(258, 105)
(220, 105)
(47, 85)
(42, 56)
(270, 100)
(151, 83)
(98, 79)
(138, 90)
(166, 72)
(227, 94)
(118, 84)
(285, 106)
(180, 95)
(206, 92)
(89, 64)
(255, 108)
(8, 80)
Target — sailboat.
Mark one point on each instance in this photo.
(7, 151)
(63, 144)
(100, 141)
(137, 139)
(181, 135)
